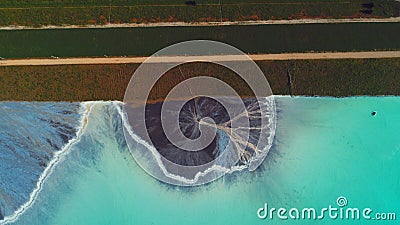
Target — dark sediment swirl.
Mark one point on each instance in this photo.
(192, 112)
(191, 116)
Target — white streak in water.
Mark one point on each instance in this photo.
(86, 107)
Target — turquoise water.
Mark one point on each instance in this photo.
(324, 148)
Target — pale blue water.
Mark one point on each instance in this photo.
(324, 148)
(29, 134)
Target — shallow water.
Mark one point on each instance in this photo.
(30, 133)
(324, 148)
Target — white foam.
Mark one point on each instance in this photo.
(86, 108)
(157, 157)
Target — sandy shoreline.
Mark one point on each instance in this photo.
(171, 59)
(228, 23)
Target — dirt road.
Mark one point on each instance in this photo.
(171, 59)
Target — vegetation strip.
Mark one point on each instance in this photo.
(253, 39)
(334, 77)
(41, 13)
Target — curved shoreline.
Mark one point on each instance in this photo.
(199, 24)
(87, 107)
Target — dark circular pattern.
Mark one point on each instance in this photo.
(190, 115)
